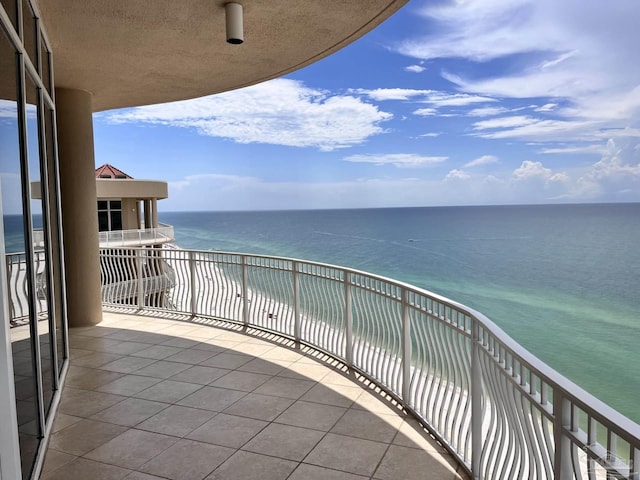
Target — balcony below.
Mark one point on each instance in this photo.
(136, 238)
(161, 397)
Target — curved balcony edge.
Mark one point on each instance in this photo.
(499, 409)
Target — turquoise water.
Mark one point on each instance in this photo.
(563, 281)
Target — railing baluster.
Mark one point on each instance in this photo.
(476, 401)
(562, 444)
(192, 283)
(140, 282)
(245, 302)
(348, 318)
(296, 302)
(406, 348)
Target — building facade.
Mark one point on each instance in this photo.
(107, 55)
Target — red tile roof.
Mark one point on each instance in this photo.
(109, 171)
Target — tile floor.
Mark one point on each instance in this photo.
(153, 398)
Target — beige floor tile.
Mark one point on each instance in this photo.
(313, 472)
(227, 430)
(84, 436)
(128, 385)
(200, 374)
(265, 367)
(212, 398)
(411, 464)
(253, 349)
(162, 369)
(252, 466)
(338, 395)
(284, 441)
(187, 460)
(227, 360)
(285, 387)
(245, 381)
(412, 434)
(368, 425)
(141, 476)
(150, 337)
(168, 391)
(128, 364)
(176, 420)
(190, 356)
(56, 459)
(158, 352)
(311, 415)
(282, 354)
(83, 469)
(208, 347)
(181, 342)
(123, 348)
(305, 371)
(84, 403)
(373, 402)
(353, 455)
(89, 378)
(63, 420)
(94, 359)
(131, 449)
(339, 378)
(129, 412)
(261, 407)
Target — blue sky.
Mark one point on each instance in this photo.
(446, 103)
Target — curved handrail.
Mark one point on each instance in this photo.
(499, 409)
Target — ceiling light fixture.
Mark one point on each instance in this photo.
(233, 14)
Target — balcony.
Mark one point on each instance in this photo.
(166, 396)
(493, 408)
(136, 238)
(124, 238)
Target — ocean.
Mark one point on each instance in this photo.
(562, 280)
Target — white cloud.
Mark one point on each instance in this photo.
(415, 68)
(431, 134)
(581, 55)
(486, 111)
(402, 160)
(280, 112)
(433, 97)
(425, 112)
(527, 127)
(456, 174)
(483, 160)
(548, 107)
(382, 94)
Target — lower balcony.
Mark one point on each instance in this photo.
(165, 396)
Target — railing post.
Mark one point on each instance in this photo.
(245, 303)
(562, 444)
(348, 318)
(296, 303)
(406, 347)
(192, 283)
(140, 279)
(476, 401)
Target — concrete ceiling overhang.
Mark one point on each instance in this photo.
(133, 52)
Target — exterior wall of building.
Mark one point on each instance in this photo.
(130, 214)
(33, 348)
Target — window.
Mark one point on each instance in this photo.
(109, 215)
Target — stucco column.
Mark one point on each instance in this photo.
(154, 212)
(79, 210)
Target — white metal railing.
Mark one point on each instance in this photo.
(18, 289)
(143, 236)
(501, 411)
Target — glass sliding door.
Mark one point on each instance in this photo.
(35, 320)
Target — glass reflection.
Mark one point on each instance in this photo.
(15, 225)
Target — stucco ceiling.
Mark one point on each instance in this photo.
(134, 52)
